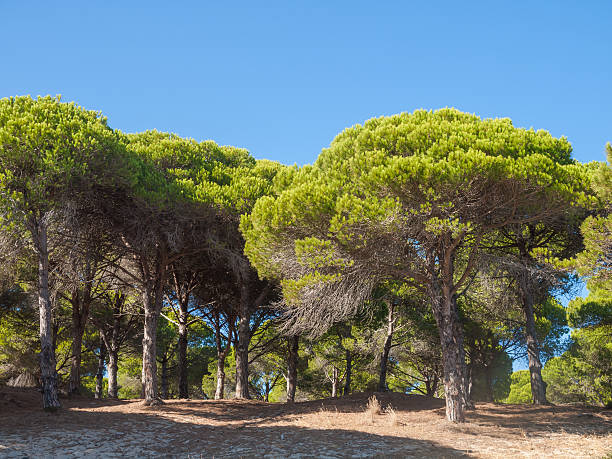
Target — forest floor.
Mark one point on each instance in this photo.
(407, 426)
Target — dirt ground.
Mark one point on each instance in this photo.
(407, 426)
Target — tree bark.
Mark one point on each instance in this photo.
(453, 354)
(242, 356)
(349, 372)
(182, 359)
(75, 361)
(164, 378)
(81, 303)
(538, 389)
(149, 349)
(222, 353)
(334, 391)
(112, 373)
(384, 356)
(292, 361)
(47, 354)
(100, 373)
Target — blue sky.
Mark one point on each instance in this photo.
(283, 78)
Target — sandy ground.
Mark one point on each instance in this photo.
(330, 428)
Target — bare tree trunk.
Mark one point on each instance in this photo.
(242, 357)
(112, 373)
(164, 378)
(266, 390)
(489, 384)
(384, 356)
(349, 372)
(222, 353)
(149, 349)
(434, 387)
(75, 361)
(334, 391)
(100, 373)
(292, 361)
(220, 389)
(538, 389)
(47, 353)
(453, 353)
(182, 359)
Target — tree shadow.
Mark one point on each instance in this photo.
(74, 431)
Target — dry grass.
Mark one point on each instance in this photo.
(392, 416)
(359, 425)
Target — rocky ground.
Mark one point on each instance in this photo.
(406, 426)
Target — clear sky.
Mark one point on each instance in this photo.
(283, 78)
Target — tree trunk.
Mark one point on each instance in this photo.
(434, 386)
(242, 357)
(47, 354)
(334, 391)
(384, 356)
(349, 372)
(220, 378)
(112, 373)
(149, 349)
(292, 361)
(453, 354)
(538, 389)
(182, 359)
(75, 361)
(489, 384)
(100, 373)
(164, 378)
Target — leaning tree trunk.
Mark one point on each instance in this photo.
(384, 356)
(292, 361)
(100, 373)
(538, 389)
(47, 353)
(242, 357)
(453, 354)
(182, 358)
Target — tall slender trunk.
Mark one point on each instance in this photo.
(242, 356)
(434, 387)
(220, 389)
(489, 392)
(112, 373)
(149, 349)
(292, 361)
(100, 373)
(348, 372)
(266, 389)
(384, 356)
(453, 354)
(75, 361)
(222, 353)
(334, 391)
(47, 353)
(538, 389)
(164, 377)
(182, 359)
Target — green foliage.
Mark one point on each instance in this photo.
(396, 186)
(584, 372)
(52, 151)
(520, 388)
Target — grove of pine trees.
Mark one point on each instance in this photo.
(420, 253)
